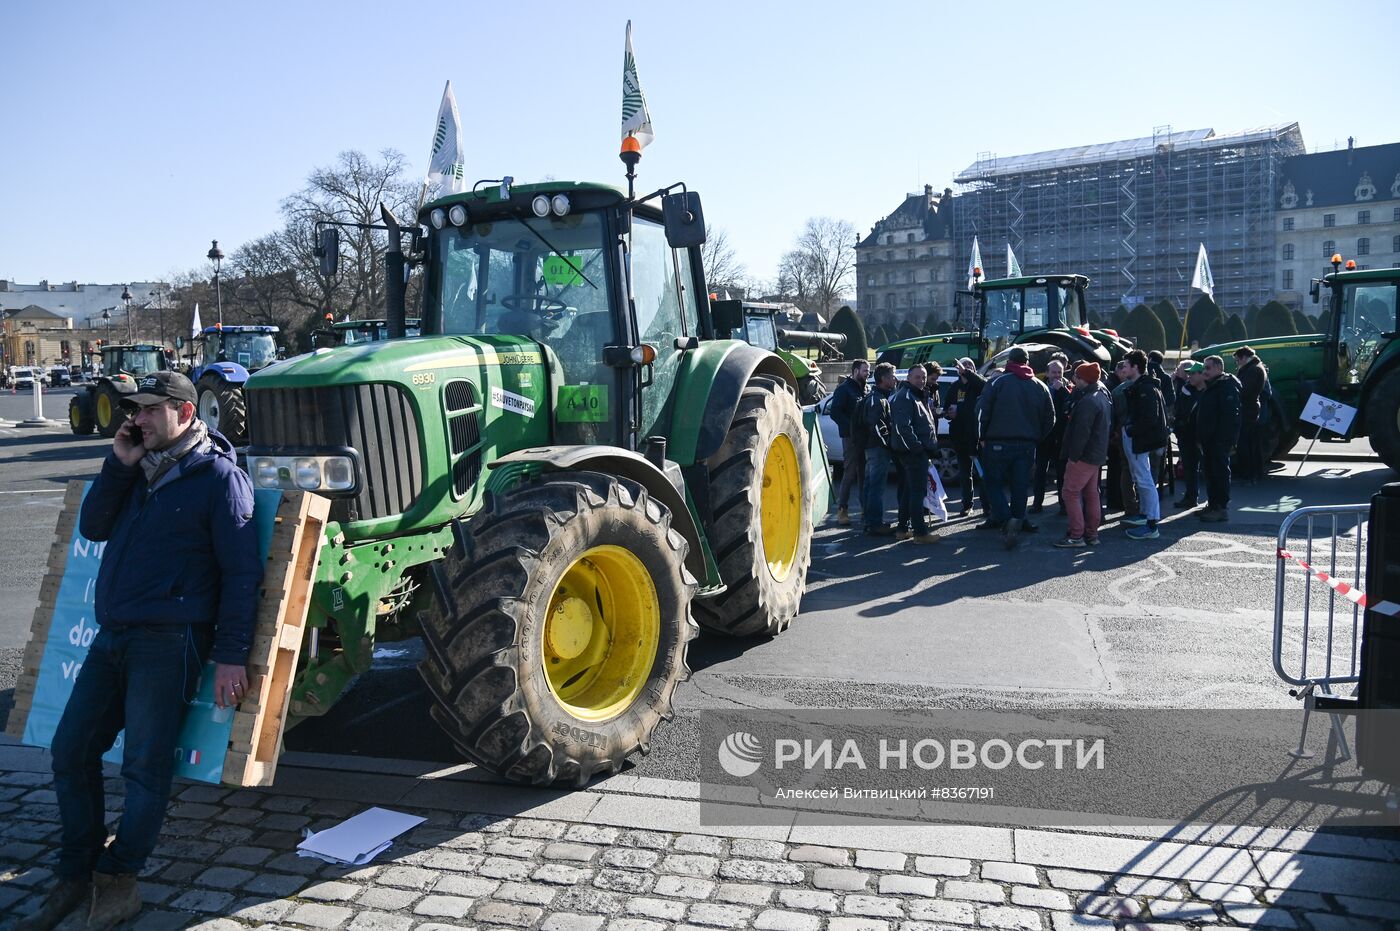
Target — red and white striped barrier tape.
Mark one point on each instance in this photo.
(1354, 595)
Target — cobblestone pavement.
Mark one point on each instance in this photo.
(636, 859)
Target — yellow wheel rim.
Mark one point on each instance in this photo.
(104, 410)
(73, 417)
(782, 507)
(600, 633)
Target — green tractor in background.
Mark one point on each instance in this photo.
(98, 406)
(762, 325)
(1356, 362)
(569, 467)
(1041, 313)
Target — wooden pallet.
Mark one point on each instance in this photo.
(277, 637)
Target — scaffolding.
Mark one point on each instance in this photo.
(1131, 214)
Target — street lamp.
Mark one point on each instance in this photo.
(107, 316)
(126, 299)
(216, 256)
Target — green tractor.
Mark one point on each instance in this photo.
(1356, 362)
(553, 483)
(1041, 313)
(762, 325)
(98, 406)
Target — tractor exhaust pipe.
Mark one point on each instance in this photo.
(395, 287)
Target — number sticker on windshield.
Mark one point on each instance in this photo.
(563, 271)
(583, 403)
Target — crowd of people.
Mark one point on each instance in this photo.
(1104, 439)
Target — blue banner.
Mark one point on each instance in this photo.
(204, 735)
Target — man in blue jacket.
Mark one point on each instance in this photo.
(178, 584)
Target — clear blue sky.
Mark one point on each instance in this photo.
(134, 133)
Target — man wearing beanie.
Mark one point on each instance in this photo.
(1085, 449)
(178, 585)
(1015, 413)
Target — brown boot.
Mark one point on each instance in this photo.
(115, 898)
(62, 899)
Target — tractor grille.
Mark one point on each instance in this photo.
(376, 420)
(464, 433)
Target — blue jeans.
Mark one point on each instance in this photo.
(140, 679)
(1007, 468)
(877, 472)
(1140, 464)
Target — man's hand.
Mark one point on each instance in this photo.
(230, 684)
(124, 447)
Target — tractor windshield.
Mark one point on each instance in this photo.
(1071, 308)
(1368, 312)
(133, 362)
(250, 350)
(1001, 321)
(545, 279)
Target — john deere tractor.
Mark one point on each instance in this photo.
(553, 483)
(98, 406)
(762, 325)
(1041, 313)
(1356, 362)
(230, 354)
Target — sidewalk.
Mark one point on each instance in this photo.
(630, 855)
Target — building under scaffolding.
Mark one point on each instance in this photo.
(1131, 214)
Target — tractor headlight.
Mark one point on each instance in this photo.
(329, 475)
(560, 205)
(306, 472)
(458, 215)
(540, 205)
(438, 218)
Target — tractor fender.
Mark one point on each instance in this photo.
(614, 460)
(708, 388)
(231, 372)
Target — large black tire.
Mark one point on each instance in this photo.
(1383, 418)
(80, 416)
(501, 618)
(810, 390)
(107, 415)
(222, 407)
(763, 464)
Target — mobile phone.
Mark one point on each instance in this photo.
(134, 432)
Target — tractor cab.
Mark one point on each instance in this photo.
(1041, 309)
(133, 361)
(252, 347)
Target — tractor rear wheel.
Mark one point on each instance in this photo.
(1383, 419)
(108, 414)
(559, 628)
(810, 389)
(80, 414)
(222, 407)
(760, 529)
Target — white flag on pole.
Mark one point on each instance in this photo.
(1202, 280)
(636, 119)
(194, 324)
(445, 166)
(974, 262)
(1013, 267)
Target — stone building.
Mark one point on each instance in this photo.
(1345, 202)
(904, 267)
(35, 336)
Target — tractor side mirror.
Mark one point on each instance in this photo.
(685, 220)
(328, 251)
(179, 342)
(1316, 291)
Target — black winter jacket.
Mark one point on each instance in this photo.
(1218, 414)
(1013, 409)
(964, 393)
(1146, 422)
(1253, 375)
(870, 425)
(913, 425)
(843, 403)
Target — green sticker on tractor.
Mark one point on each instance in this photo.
(563, 271)
(583, 403)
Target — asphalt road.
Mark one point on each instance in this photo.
(1181, 622)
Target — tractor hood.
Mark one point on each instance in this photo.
(1261, 345)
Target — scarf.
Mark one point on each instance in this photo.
(158, 463)
(1020, 370)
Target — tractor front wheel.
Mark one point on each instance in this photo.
(80, 415)
(108, 412)
(221, 406)
(760, 528)
(559, 628)
(1383, 419)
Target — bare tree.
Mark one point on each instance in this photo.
(821, 265)
(723, 270)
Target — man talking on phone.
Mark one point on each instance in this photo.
(178, 584)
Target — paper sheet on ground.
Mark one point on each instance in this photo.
(360, 839)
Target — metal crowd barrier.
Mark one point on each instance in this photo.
(1325, 662)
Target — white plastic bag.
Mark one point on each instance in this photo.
(935, 496)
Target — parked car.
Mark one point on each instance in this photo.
(946, 459)
(22, 378)
(59, 376)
